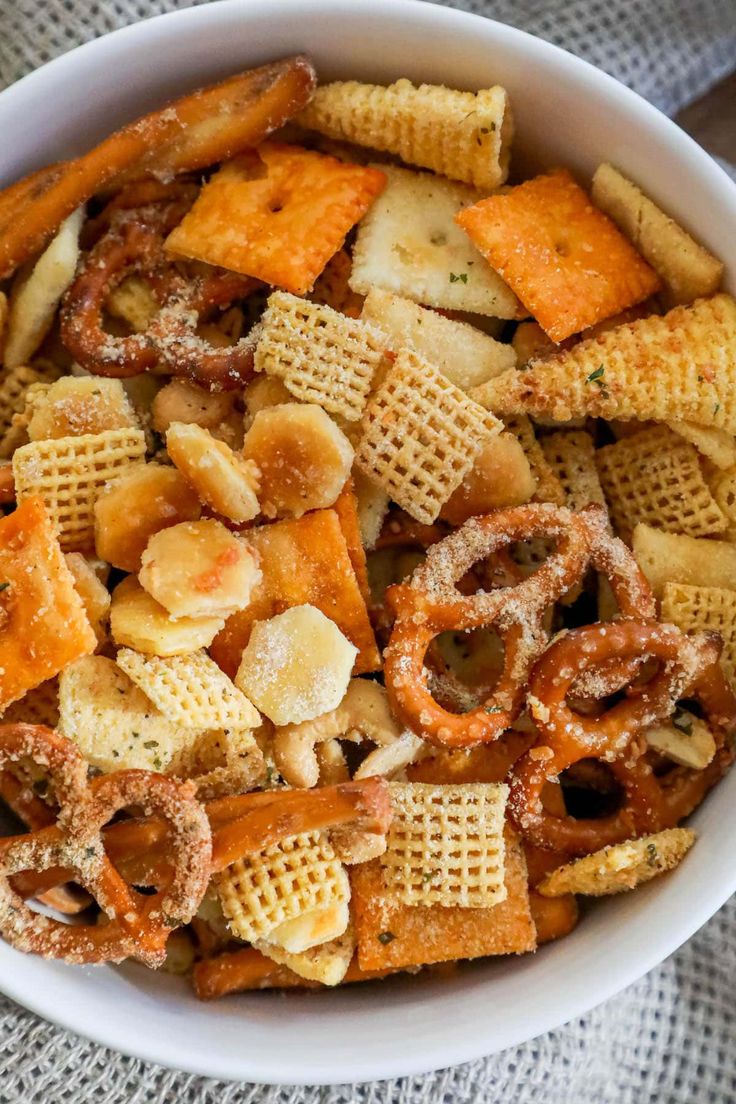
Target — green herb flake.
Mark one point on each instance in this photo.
(150, 744)
(493, 709)
(428, 875)
(701, 379)
(157, 763)
(596, 376)
(652, 854)
(4, 586)
(458, 277)
(385, 937)
(716, 407)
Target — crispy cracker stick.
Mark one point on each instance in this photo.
(673, 368)
(219, 121)
(687, 270)
(197, 130)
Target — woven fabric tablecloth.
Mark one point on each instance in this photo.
(670, 1037)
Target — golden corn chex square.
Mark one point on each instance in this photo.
(572, 458)
(549, 487)
(70, 472)
(409, 243)
(190, 690)
(704, 608)
(722, 485)
(445, 845)
(272, 887)
(655, 477)
(676, 367)
(13, 390)
(322, 356)
(420, 435)
(463, 135)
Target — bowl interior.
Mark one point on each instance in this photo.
(566, 113)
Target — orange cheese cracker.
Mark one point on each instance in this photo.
(44, 626)
(346, 508)
(303, 561)
(567, 262)
(391, 934)
(279, 214)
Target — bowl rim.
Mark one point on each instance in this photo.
(160, 1050)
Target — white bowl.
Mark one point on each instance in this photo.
(567, 113)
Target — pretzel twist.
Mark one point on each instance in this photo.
(138, 926)
(687, 666)
(430, 603)
(174, 848)
(134, 243)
